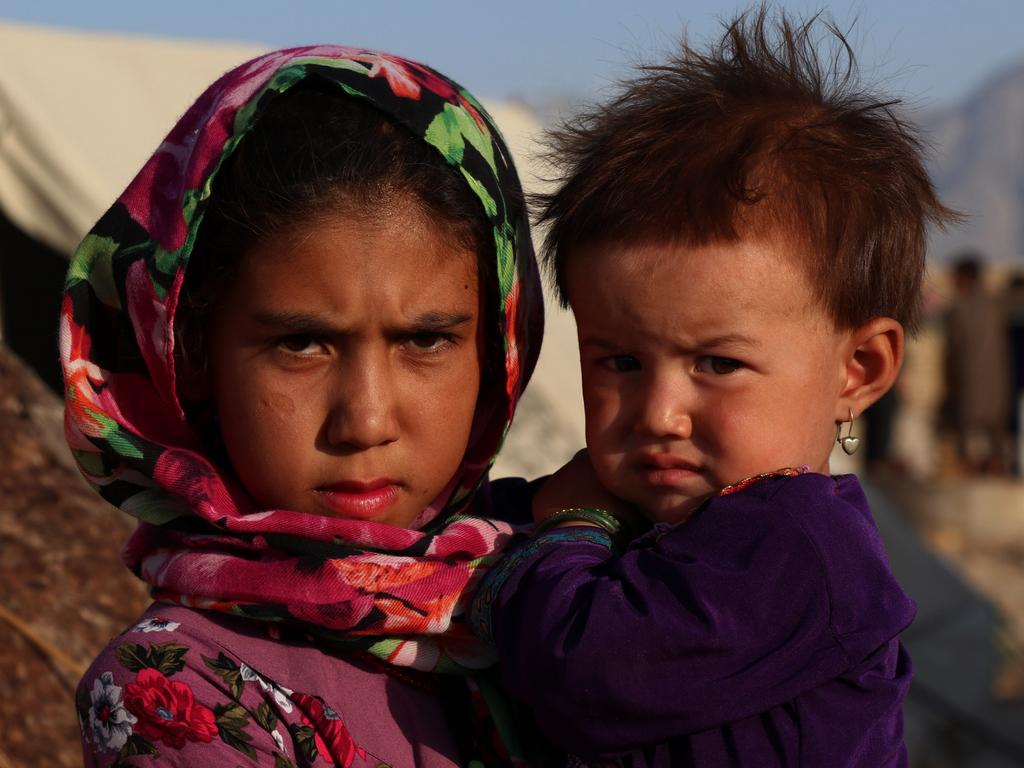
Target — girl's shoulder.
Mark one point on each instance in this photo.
(182, 685)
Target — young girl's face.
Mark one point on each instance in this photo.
(345, 365)
(702, 366)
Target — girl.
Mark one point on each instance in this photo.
(291, 349)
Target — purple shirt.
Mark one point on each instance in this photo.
(762, 632)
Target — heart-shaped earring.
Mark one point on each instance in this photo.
(850, 444)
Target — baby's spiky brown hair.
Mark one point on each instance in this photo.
(765, 134)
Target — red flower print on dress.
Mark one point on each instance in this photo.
(333, 741)
(167, 711)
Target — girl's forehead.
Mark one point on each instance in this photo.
(343, 260)
(376, 232)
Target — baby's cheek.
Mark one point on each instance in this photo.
(604, 415)
(610, 470)
(730, 426)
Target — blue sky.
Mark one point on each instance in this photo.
(933, 52)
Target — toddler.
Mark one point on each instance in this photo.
(740, 235)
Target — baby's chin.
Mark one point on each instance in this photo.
(671, 509)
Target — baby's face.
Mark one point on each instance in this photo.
(702, 366)
(345, 366)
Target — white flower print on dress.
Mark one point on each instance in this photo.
(110, 724)
(280, 694)
(156, 624)
(278, 739)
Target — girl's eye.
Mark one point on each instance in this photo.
(300, 344)
(720, 366)
(621, 363)
(430, 342)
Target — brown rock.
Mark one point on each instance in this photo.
(62, 581)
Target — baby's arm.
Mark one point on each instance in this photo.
(576, 485)
(691, 627)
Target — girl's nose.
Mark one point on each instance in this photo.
(363, 408)
(667, 408)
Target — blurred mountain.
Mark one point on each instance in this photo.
(978, 167)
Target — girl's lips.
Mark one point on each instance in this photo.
(359, 500)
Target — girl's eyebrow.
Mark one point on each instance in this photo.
(296, 322)
(306, 323)
(439, 321)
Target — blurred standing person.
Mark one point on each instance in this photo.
(977, 379)
(1014, 303)
(880, 420)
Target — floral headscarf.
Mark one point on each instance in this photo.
(201, 541)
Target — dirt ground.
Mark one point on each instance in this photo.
(64, 590)
(977, 526)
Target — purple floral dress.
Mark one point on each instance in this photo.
(190, 688)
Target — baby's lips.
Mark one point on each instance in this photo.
(661, 460)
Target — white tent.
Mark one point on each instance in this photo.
(80, 113)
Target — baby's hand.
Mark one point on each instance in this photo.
(576, 485)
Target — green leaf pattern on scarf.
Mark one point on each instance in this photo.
(96, 265)
(452, 129)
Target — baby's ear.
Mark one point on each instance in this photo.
(875, 354)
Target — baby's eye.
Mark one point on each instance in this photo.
(720, 366)
(621, 363)
(300, 344)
